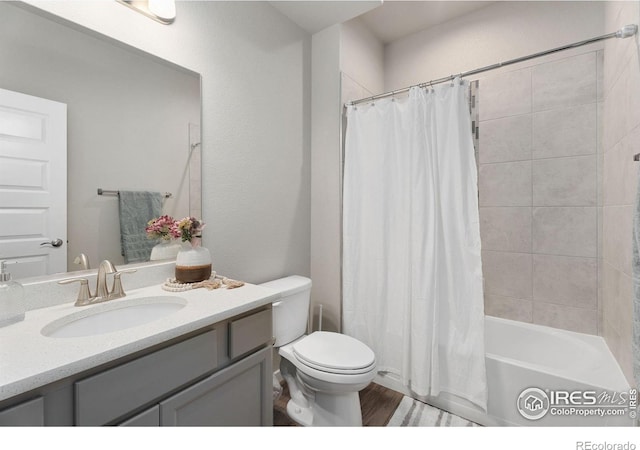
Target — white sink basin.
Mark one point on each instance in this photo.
(109, 317)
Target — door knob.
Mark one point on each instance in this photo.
(53, 243)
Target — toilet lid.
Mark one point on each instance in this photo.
(334, 352)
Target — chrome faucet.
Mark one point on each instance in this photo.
(102, 291)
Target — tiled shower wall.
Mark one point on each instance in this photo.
(620, 177)
(539, 192)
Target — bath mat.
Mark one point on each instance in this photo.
(414, 413)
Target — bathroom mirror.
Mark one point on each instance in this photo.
(133, 123)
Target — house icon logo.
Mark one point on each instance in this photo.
(533, 403)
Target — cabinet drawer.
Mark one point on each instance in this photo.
(104, 397)
(27, 414)
(249, 333)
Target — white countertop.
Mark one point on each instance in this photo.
(29, 360)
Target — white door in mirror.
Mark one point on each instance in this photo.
(33, 184)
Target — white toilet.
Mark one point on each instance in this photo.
(323, 370)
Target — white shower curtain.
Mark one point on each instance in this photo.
(412, 274)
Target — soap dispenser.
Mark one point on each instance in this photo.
(11, 298)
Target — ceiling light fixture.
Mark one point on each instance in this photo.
(164, 11)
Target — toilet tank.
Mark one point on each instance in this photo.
(291, 311)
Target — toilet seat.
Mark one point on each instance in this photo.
(324, 376)
(334, 353)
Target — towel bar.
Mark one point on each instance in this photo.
(105, 192)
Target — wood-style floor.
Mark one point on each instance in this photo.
(378, 405)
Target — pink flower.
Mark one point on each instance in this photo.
(162, 228)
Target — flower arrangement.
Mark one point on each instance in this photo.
(188, 229)
(162, 227)
(166, 228)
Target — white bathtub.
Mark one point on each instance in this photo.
(521, 355)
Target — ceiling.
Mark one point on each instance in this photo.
(396, 19)
(313, 16)
(388, 21)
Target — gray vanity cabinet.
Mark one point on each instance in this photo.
(240, 395)
(220, 375)
(131, 385)
(148, 418)
(29, 413)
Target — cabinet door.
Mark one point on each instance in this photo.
(240, 395)
(147, 418)
(27, 414)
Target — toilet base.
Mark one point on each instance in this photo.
(320, 398)
(300, 415)
(328, 410)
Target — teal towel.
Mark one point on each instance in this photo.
(136, 210)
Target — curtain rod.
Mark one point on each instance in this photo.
(624, 32)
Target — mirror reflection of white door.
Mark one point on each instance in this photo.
(33, 184)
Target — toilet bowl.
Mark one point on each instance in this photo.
(323, 370)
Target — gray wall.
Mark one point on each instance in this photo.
(255, 65)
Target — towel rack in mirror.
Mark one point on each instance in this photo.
(106, 192)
